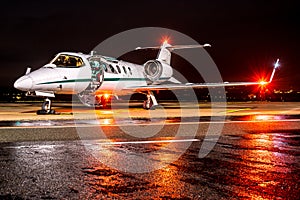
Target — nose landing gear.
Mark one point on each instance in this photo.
(46, 108)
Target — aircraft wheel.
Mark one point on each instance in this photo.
(45, 112)
(41, 112)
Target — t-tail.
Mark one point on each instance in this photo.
(165, 50)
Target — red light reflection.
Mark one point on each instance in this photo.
(262, 164)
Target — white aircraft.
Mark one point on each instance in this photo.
(97, 78)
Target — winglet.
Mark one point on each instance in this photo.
(276, 65)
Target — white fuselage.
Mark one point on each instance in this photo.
(125, 79)
(63, 78)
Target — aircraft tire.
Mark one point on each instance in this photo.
(41, 112)
(45, 112)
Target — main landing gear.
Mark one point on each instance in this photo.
(150, 103)
(46, 108)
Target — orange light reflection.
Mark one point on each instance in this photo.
(261, 162)
(263, 117)
(106, 121)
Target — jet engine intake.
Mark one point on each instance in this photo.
(156, 71)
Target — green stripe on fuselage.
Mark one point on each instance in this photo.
(105, 79)
(129, 79)
(66, 81)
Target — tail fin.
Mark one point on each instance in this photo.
(166, 49)
(164, 54)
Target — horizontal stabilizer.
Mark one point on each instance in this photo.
(166, 49)
(173, 47)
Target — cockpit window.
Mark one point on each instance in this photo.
(68, 61)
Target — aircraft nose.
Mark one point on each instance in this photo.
(24, 83)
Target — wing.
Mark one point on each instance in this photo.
(181, 86)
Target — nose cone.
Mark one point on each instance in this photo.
(24, 83)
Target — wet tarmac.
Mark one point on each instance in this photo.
(253, 157)
(254, 165)
(141, 120)
(123, 110)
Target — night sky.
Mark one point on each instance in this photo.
(246, 36)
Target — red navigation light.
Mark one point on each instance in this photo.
(262, 83)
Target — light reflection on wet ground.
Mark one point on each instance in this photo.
(144, 120)
(253, 165)
(261, 165)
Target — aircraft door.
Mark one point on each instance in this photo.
(98, 67)
(97, 75)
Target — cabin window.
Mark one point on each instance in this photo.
(68, 61)
(124, 69)
(111, 69)
(119, 69)
(129, 69)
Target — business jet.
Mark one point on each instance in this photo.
(96, 79)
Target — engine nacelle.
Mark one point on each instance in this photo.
(157, 72)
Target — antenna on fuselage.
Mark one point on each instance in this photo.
(93, 53)
(28, 70)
